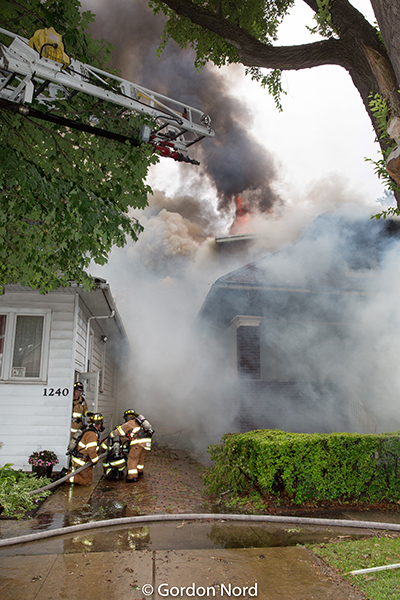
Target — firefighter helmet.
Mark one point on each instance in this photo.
(129, 414)
(78, 385)
(49, 44)
(96, 418)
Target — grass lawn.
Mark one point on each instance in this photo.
(363, 554)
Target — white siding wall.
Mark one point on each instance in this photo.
(107, 398)
(31, 418)
(80, 347)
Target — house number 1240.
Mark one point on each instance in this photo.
(55, 392)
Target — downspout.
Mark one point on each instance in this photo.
(110, 316)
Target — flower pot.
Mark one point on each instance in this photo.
(42, 471)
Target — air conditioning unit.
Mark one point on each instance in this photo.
(18, 371)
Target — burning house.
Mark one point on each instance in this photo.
(286, 329)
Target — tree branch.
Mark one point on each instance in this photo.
(56, 134)
(27, 11)
(254, 53)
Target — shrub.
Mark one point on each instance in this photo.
(14, 491)
(344, 467)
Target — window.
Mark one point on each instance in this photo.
(24, 344)
(2, 334)
(248, 352)
(27, 346)
(247, 346)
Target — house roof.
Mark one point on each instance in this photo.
(98, 301)
(335, 257)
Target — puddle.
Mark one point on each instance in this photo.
(75, 505)
(184, 535)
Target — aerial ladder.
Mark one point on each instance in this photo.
(38, 71)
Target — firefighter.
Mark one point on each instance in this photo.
(115, 461)
(136, 432)
(86, 450)
(79, 409)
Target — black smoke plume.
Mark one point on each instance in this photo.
(234, 161)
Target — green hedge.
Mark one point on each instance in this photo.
(299, 467)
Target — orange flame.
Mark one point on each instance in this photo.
(241, 223)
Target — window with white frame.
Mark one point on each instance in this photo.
(24, 344)
(2, 335)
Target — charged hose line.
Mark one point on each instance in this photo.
(68, 476)
(33, 537)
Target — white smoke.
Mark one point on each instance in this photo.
(161, 282)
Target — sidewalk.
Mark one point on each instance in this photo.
(270, 574)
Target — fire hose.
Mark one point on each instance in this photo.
(68, 476)
(122, 521)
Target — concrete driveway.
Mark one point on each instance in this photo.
(179, 559)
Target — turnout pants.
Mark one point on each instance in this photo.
(83, 478)
(136, 458)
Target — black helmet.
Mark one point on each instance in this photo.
(129, 414)
(78, 385)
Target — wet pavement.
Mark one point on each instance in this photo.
(276, 573)
(184, 558)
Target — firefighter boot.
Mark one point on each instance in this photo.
(62, 473)
(133, 480)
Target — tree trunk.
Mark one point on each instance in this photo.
(387, 14)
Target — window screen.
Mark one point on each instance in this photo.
(3, 319)
(27, 346)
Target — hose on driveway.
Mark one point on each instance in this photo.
(33, 537)
(66, 477)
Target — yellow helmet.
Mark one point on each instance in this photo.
(129, 414)
(49, 44)
(96, 418)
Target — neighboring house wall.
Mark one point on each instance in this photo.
(98, 361)
(274, 386)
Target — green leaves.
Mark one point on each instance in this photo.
(302, 467)
(14, 491)
(272, 81)
(324, 26)
(65, 195)
(258, 18)
(381, 112)
(380, 109)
